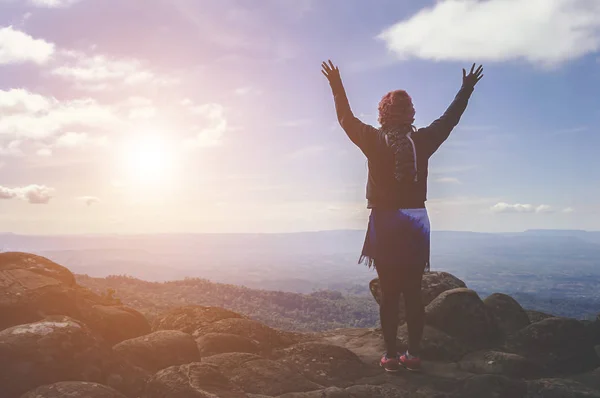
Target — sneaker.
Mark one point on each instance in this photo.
(410, 362)
(390, 364)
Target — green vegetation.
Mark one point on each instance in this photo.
(321, 310)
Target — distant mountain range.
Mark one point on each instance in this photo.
(548, 265)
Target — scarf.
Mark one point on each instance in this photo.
(405, 154)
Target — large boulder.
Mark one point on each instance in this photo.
(435, 344)
(432, 285)
(33, 287)
(257, 375)
(56, 349)
(461, 314)
(536, 316)
(558, 345)
(268, 377)
(117, 323)
(590, 379)
(74, 389)
(190, 318)
(501, 363)
(159, 350)
(507, 312)
(559, 388)
(325, 364)
(493, 386)
(192, 380)
(266, 337)
(220, 343)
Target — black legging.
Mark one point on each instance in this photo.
(395, 281)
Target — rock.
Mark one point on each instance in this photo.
(461, 314)
(507, 312)
(493, 386)
(193, 380)
(73, 389)
(190, 318)
(432, 285)
(330, 392)
(219, 343)
(559, 388)
(536, 316)
(557, 345)
(325, 364)
(590, 379)
(56, 349)
(33, 287)
(266, 337)
(501, 363)
(117, 323)
(271, 378)
(435, 344)
(230, 360)
(258, 375)
(159, 350)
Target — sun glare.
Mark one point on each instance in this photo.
(147, 157)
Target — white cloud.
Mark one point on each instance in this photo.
(20, 100)
(34, 194)
(568, 210)
(88, 200)
(53, 3)
(12, 149)
(541, 32)
(99, 72)
(33, 116)
(73, 140)
(211, 131)
(17, 47)
(503, 207)
(44, 152)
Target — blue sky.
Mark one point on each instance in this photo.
(188, 116)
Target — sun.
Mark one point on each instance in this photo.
(147, 157)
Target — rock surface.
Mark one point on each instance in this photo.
(471, 348)
(56, 349)
(33, 287)
(558, 345)
(190, 318)
(461, 314)
(192, 380)
(73, 389)
(508, 314)
(159, 350)
(220, 343)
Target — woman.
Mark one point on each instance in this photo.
(397, 240)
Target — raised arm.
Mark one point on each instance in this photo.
(438, 131)
(359, 133)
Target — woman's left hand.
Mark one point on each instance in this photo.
(332, 73)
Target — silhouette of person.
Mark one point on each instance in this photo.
(397, 242)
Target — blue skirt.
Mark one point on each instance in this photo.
(398, 238)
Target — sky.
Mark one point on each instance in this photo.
(171, 116)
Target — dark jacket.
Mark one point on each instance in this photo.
(383, 190)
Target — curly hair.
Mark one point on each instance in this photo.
(396, 109)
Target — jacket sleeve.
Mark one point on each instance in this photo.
(438, 131)
(362, 135)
